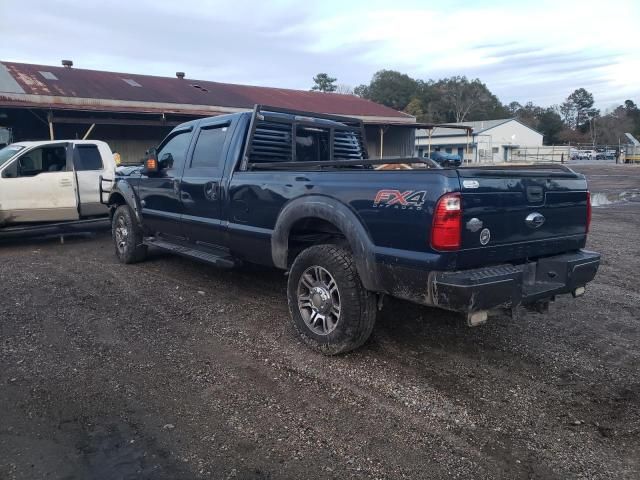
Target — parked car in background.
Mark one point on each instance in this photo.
(52, 181)
(587, 155)
(574, 154)
(446, 159)
(605, 154)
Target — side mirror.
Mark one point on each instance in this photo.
(166, 161)
(150, 162)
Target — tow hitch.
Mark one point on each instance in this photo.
(541, 306)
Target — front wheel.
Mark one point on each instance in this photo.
(127, 236)
(329, 306)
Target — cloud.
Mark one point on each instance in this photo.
(537, 51)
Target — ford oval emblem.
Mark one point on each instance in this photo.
(534, 220)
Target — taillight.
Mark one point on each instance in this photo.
(447, 223)
(588, 212)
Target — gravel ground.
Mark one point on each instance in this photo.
(172, 369)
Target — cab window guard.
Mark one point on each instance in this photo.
(273, 133)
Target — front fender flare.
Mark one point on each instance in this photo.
(125, 189)
(330, 210)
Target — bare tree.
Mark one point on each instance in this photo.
(612, 126)
(461, 97)
(344, 89)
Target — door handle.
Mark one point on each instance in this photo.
(211, 191)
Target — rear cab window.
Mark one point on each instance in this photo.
(312, 144)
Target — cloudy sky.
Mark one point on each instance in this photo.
(523, 50)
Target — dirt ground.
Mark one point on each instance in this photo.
(170, 369)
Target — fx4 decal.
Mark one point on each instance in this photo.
(408, 200)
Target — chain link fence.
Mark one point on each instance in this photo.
(490, 153)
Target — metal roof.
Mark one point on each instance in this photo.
(23, 85)
(479, 127)
(422, 127)
(632, 139)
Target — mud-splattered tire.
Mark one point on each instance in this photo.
(329, 307)
(127, 236)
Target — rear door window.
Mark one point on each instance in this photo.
(209, 148)
(87, 157)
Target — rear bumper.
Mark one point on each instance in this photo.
(507, 286)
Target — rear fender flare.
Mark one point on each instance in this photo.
(330, 210)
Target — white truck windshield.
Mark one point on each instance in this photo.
(8, 152)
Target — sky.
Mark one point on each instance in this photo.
(537, 51)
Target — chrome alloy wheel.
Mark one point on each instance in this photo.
(319, 300)
(121, 233)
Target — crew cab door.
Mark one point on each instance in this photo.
(200, 189)
(39, 186)
(159, 192)
(88, 167)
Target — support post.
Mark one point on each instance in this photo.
(381, 141)
(467, 149)
(50, 120)
(429, 146)
(89, 130)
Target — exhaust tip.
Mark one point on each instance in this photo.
(578, 292)
(477, 318)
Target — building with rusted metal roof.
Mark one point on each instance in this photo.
(134, 112)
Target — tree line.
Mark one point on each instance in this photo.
(459, 99)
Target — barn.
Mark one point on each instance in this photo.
(133, 112)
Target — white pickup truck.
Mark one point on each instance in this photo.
(53, 182)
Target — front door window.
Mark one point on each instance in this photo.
(39, 160)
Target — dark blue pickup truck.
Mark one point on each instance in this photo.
(297, 191)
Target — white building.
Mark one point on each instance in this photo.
(491, 140)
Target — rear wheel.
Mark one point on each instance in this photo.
(127, 236)
(329, 306)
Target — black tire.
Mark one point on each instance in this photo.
(127, 236)
(357, 306)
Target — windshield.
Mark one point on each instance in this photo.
(7, 152)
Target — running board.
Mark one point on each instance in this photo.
(219, 259)
(58, 228)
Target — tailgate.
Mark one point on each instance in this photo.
(515, 213)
